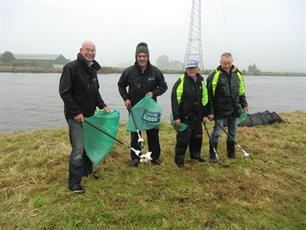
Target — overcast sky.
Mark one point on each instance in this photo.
(269, 33)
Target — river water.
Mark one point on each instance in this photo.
(31, 100)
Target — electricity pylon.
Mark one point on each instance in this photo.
(194, 44)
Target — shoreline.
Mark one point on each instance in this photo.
(124, 123)
(118, 70)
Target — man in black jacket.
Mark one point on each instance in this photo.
(79, 89)
(226, 94)
(142, 79)
(188, 100)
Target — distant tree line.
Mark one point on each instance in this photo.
(163, 62)
(252, 70)
(8, 63)
(7, 57)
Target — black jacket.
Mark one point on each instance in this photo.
(191, 103)
(226, 102)
(79, 88)
(139, 84)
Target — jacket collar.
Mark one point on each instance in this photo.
(139, 69)
(95, 65)
(199, 77)
(234, 69)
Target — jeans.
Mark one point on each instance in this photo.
(153, 143)
(231, 125)
(79, 164)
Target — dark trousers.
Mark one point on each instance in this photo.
(191, 137)
(153, 143)
(79, 164)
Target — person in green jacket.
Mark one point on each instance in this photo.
(226, 97)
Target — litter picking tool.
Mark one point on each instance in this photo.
(145, 158)
(214, 149)
(246, 154)
(140, 141)
(137, 152)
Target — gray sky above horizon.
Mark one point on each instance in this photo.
(269, 33)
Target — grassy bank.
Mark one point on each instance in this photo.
(266, 193)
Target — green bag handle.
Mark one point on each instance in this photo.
(179, 128)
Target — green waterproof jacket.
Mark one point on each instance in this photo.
(226, 93)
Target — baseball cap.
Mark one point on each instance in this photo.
(191, 63)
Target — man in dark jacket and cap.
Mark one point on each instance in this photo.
(142, 79)
(188, 102)
(226, 94)
(79, 89)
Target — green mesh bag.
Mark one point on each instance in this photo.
(179, 128)
(146, 114)
(243, 116)
(97, 144)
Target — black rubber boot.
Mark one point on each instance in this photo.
(135, 162)
(212, 155)
(230, 149)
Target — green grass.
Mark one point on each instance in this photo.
(266, 193)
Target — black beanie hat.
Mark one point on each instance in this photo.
(142, 47)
